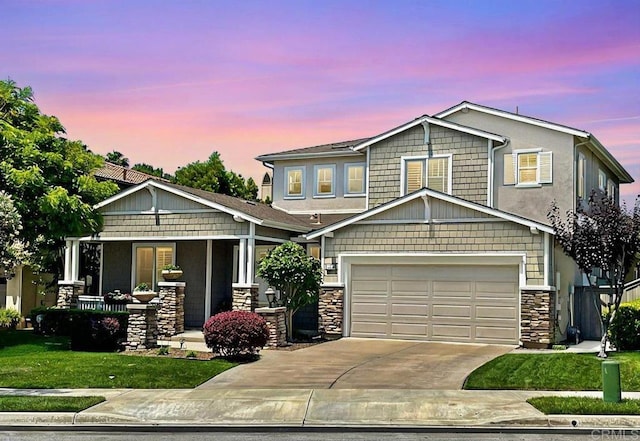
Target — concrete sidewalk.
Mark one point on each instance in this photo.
(314, 408)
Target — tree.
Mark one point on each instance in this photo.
(151, 170)
(295, 274)
(13, 251)
(603, 235)
(117, 158)
(213, 176)
(47, 176)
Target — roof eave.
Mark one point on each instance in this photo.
(623, 175)
(280, 157)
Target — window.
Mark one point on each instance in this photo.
(582, 176)
(313, 250)
(602, 180)
(528, 168)
(149, 259)
(434, 173)
(325, 184)
(611, 189)
(294, 185)
(354, 179)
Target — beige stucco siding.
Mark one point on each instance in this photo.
(469, 167)
(172, 225)
(532, 203)
(481, 237)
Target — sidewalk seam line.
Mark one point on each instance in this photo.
(306, 410)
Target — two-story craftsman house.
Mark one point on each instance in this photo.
(444, 234)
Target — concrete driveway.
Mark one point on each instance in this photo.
(356, 363)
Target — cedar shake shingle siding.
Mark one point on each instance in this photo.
(483, 237)
(469, 168)
(174, 225)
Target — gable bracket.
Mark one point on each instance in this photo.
(427, 208)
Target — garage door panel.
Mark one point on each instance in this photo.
(459, 303)
(499, 312)
(455, 311)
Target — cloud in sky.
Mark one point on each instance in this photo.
(245, 78)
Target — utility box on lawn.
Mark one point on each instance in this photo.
(611, 381)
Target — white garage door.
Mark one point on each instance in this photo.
(458, 303)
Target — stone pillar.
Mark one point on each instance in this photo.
(245, 297)
(171, 308)
(331, 310)
(142, 330)
(275, 318)
(537, 318)
(68, 292)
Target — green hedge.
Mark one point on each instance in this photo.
(90, 330)
(625, 329)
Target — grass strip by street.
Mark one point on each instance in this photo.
(584, 406)
(568, 371)
(32, 361)
(10, 403)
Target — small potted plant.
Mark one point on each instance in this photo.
(143, 293)
(117, 298)
(171, 272)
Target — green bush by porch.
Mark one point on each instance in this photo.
(553, 372)
(32, 361)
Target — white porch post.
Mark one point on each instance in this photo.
(251, 246)
(207, 282)
(242, 262)
(75, 260)
(67, 260)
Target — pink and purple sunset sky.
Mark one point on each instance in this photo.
(169, 82)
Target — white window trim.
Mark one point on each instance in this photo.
(581, 181)
(286, 194)
(346, 179)
(516, 166)
(403, 170)
(317, 195)
(602, 178)
(137, 245)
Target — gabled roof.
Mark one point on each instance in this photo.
(122, 175)
(256, 212)
(595, 144)
(438, 195)
(342, 148)
(435, 121)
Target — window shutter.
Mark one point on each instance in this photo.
(545, 167)
(509, 170)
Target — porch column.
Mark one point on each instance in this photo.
(331, 310)
(67, 260)
(242, 262)
(75, 259)
(251, 247)
(171, 308)
(207, 281)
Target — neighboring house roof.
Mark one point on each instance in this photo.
(266, 179)
(122, 175)
(335, 149)
(256, 212)
(596, 145)
(435, 194)
(435, 121)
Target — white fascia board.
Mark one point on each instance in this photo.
(437, 195)
(520, 118)
(430, 120)
(610, 160)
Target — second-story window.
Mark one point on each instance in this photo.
(354, 179)
(611, 189)
(528, 168)
(294, 187)
(325, 180)
(434, 173)
(581, 183)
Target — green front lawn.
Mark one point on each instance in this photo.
(553, 372)
(47, 404)
(584, 406)
(31, 361)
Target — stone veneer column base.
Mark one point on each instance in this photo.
(331, 310)
(171, 308)
(275, 318)
(245, 297)
(68, 292)
(537, 318)
(142, 330)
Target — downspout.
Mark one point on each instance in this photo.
(491, 174)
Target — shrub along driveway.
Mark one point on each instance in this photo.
(352, 363)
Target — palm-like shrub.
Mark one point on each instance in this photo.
(236, 334)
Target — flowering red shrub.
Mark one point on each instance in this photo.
(236, 334)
